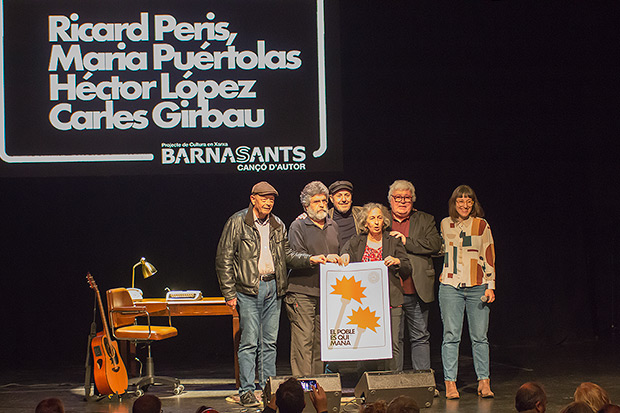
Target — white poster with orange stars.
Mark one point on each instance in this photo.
(355, 312)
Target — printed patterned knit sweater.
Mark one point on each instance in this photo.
(469, 258)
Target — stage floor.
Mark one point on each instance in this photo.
(559, 368)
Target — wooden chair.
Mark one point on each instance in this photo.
(123, 314)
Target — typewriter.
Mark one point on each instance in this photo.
(184, 295)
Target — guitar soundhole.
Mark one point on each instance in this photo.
(110, 350)
(99, 364)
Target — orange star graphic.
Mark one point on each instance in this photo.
(349, 289)
(364, 318)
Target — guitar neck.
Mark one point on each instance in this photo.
(106, 330)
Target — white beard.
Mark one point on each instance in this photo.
(316, 216)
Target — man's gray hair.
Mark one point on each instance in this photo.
(401, 185)
(310, 190)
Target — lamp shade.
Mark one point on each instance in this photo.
(148, 269)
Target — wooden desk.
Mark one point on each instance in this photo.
(208, 306)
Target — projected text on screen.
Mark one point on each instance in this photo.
(232, 86)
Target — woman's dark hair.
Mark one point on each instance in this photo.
(460, 192)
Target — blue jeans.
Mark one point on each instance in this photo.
(454, 302)
(259, 320)
(416, 317)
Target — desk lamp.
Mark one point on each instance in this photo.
(147, 270)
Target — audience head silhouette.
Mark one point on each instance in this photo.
(206, 409)
(147, 403)
(380, 406)
(403, 404)
(290, 396)
(576, 407)
(593, 395)
(51, 405)
(531, 397)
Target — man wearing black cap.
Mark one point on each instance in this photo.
(251, 261)
(343, 212)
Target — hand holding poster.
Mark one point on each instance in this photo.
(355, 312)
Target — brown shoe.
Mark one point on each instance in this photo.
(484, 389)
(451, 390)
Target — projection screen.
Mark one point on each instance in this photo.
(158, 87)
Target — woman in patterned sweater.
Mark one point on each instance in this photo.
(467, 285)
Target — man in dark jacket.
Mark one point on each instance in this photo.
(251, 261)
(343, 212)
(418, 233)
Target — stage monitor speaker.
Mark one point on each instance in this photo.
(386, 385)
(329, 382)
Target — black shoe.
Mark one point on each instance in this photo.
(248, 399)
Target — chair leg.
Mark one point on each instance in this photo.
(150, 379)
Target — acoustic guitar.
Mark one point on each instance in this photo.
(109, 371)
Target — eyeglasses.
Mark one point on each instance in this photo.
(404, 199)
(465, 202)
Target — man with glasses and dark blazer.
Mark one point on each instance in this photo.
(418, 232)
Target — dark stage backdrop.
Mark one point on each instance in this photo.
(517, 99)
